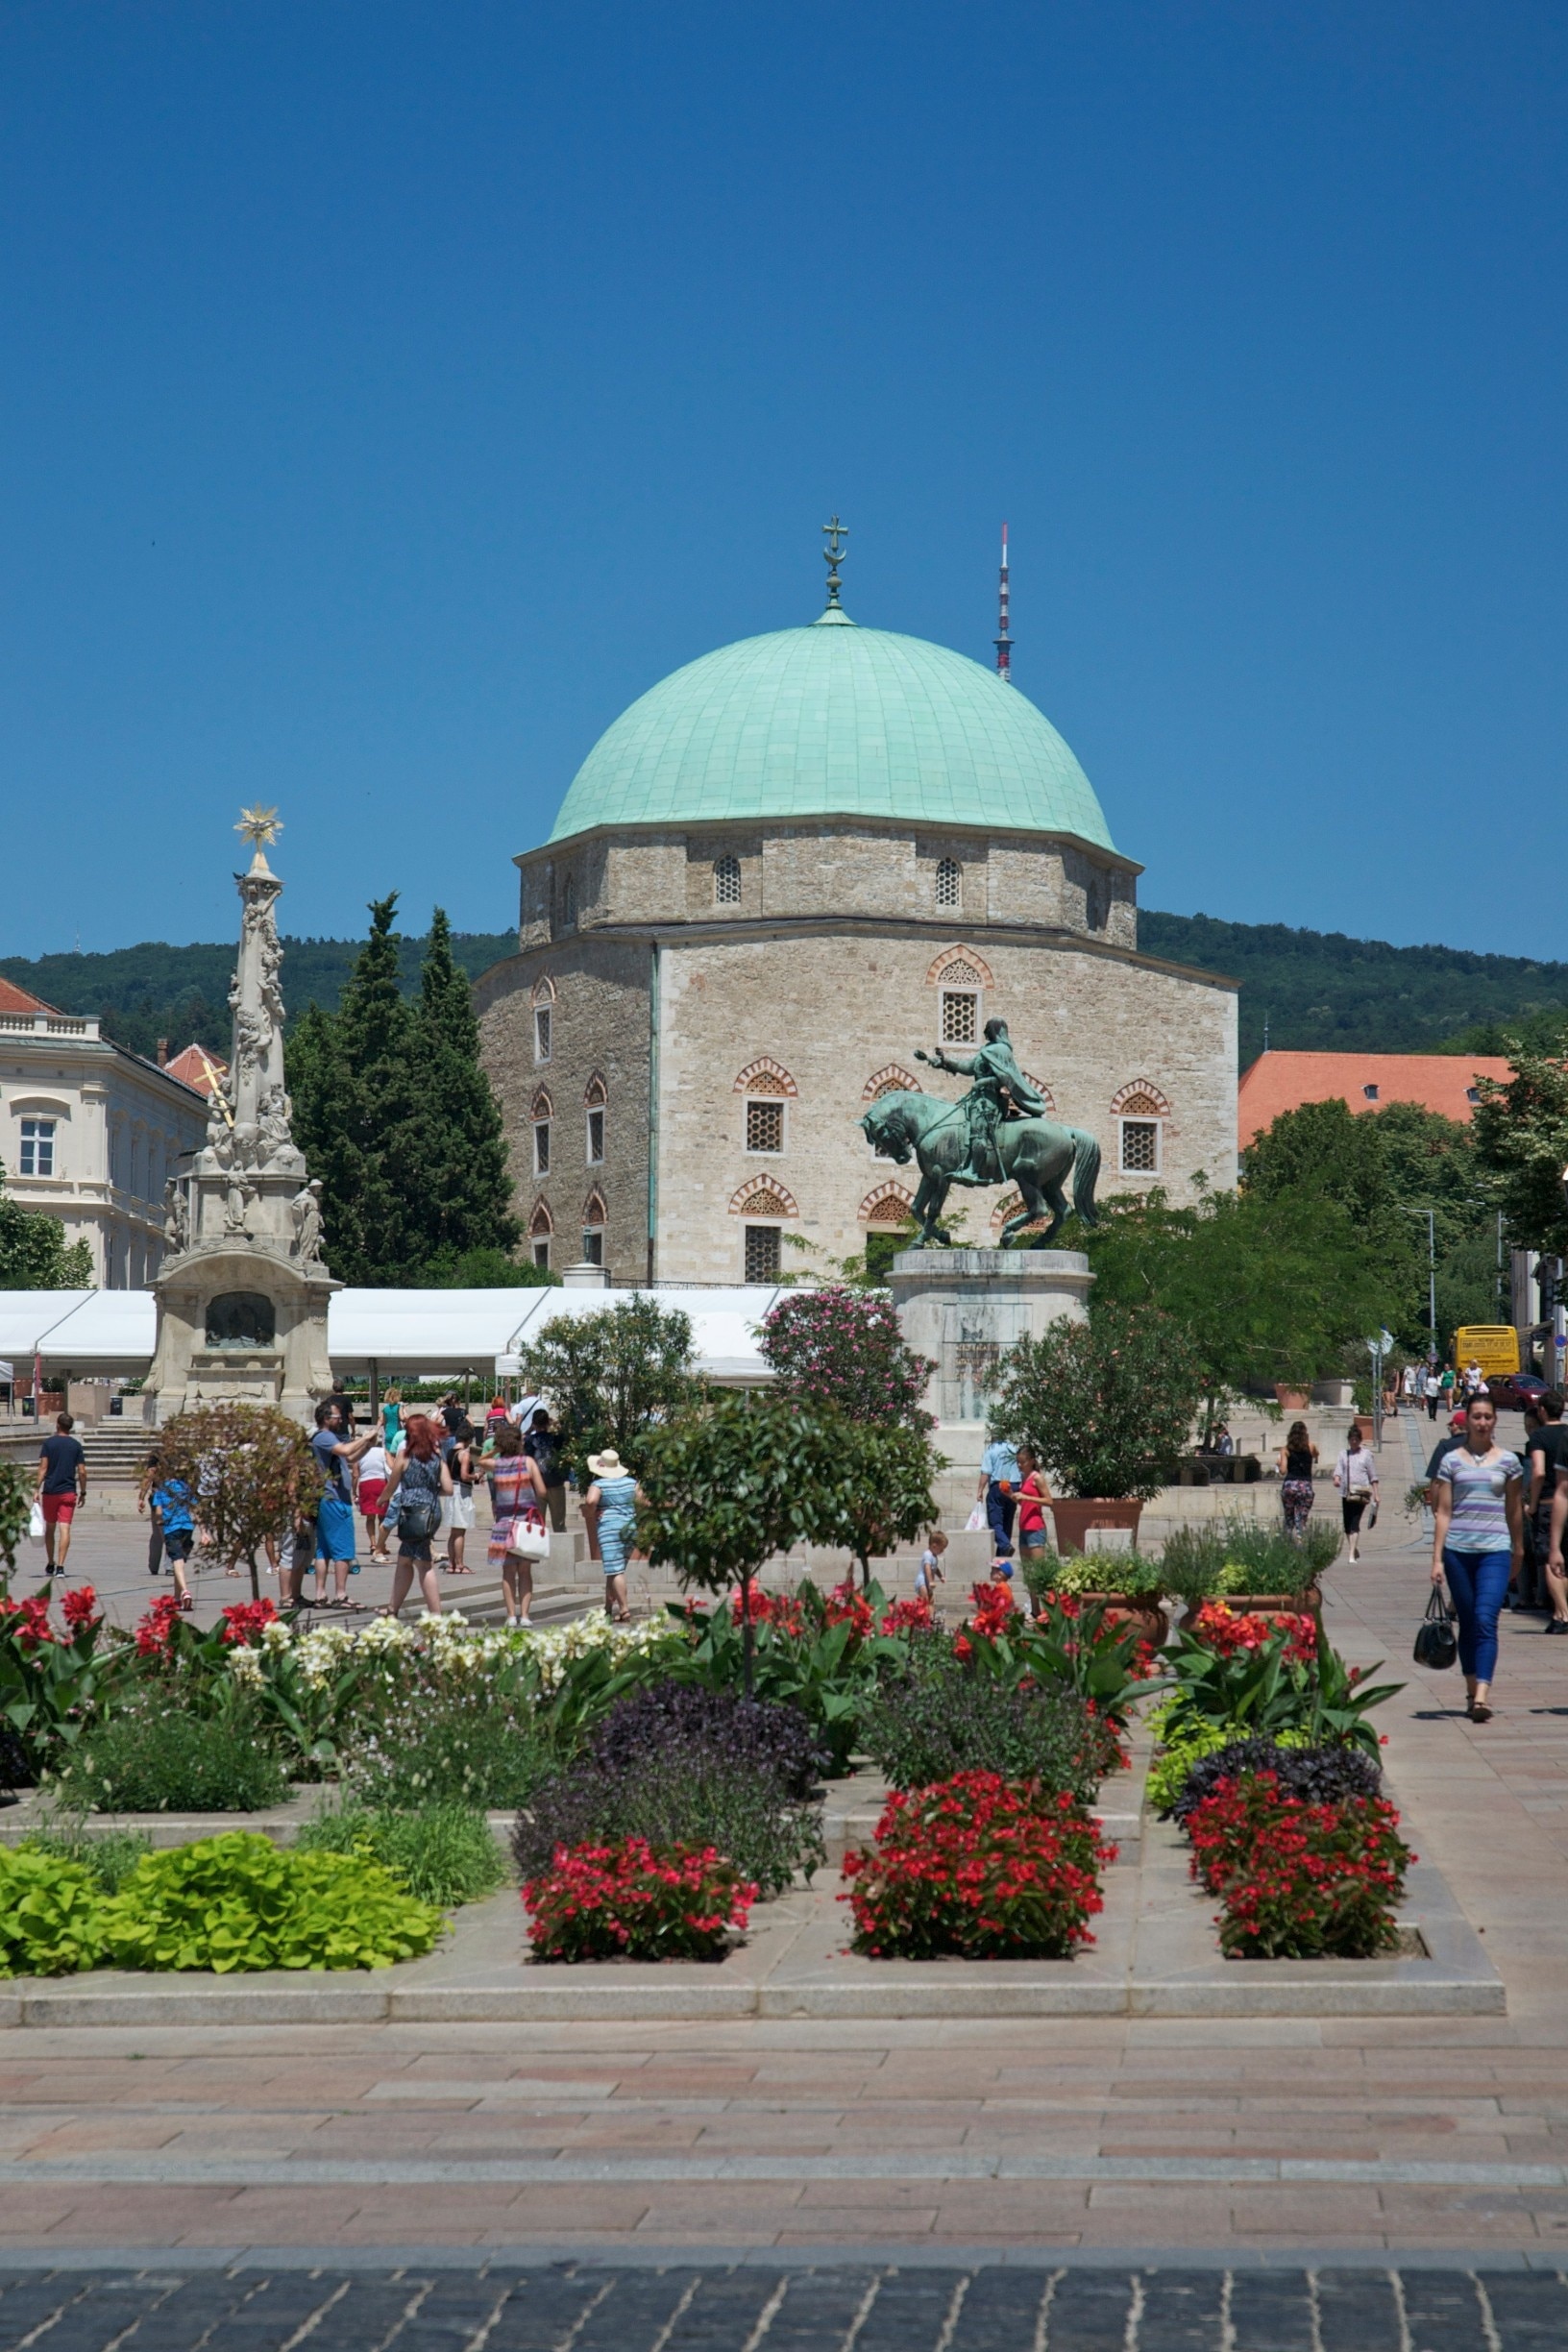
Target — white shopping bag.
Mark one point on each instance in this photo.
(35, 1521)
(976, 1521)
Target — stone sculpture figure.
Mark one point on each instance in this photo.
(305, 1210)
(176, 1217)
(1000, 1091)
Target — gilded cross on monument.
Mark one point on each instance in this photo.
(835, 534)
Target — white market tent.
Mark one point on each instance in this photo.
(113, 1332)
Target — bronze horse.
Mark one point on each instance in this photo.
(1036, 1154)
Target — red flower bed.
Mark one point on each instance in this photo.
(79, 1607)
(27, 1622)
(980, 1867)
(634, 1901)
(243, 1621)
(1297, 1880)
(156, 1631)
(843, 1605)
(995, 1610)
(909, 1617)
(1229, 1631)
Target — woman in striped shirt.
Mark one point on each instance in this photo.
(1479, 1543)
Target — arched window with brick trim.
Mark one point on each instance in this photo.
(961, 978)
(767, 1087)
(762, 1209)
(541, 1229)
(891, 1079)
(1140, 1110)
(544, 1017)
(595, 1218)
(595, 1096)
(541, 1116)
(890, 1204)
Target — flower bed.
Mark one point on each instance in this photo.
(631, 1900)
(977, 1868)
(1298, 1880)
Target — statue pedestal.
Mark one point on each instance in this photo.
(963, 1307)
(240, 1324)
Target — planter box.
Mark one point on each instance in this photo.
(1309, 1604)
(1074, 1521)
(1149, 1616)
(1293, 1400)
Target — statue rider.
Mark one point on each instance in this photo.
(1000, 1091)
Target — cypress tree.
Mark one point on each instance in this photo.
(394, 1113)
(461, 1149)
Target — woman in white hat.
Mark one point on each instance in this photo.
(609, 1507)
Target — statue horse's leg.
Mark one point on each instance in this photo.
(927, 1204)
(1057, 1200)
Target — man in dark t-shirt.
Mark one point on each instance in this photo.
(1547, 1461)
(62, 1484)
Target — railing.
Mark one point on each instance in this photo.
(46, 1024)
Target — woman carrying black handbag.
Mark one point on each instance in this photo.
(1437, 1644)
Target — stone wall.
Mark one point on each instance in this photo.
(599, 1030)
(837, 1012)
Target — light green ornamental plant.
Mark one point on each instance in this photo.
(240, 1902)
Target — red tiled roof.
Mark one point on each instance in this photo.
(195, 1067)
(15, 999)
(1280, 1081)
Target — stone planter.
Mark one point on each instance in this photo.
(1309, 1603)
(1075, 1519)
(1142, 1611)
(1293, 1400)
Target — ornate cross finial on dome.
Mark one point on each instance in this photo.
(259, 826)
(835, 534)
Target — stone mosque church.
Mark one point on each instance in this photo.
(778, 873)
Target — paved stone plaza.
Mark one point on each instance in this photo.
(1311, 2141)
(861, 2307)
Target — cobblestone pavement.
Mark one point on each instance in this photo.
(1316, 2140)
(856, 2308)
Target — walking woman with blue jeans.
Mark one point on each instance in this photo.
(1479, 1543)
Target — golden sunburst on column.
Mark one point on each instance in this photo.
(259, 825)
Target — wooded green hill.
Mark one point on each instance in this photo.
(181, 994)
(1317, 989)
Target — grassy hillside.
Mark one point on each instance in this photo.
(1316, 989)
(153, 990)
(1319, 991)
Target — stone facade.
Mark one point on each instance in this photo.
(740, 995)
(91, 1134)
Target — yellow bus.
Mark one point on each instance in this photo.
(1494, 1346)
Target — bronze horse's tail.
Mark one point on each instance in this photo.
(1086, 1168)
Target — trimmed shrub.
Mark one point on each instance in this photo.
(151, 1760)
(240, 1902)
(943, 1717)
(630, 1900)
(444, 1854)
(688, 1767)
(979, 1869)
(1318, 1775)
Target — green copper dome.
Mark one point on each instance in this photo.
(834, 721)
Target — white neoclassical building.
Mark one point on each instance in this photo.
(92, 1134)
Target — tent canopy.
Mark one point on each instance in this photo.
(413, 1331)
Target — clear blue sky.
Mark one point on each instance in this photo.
(390, 393)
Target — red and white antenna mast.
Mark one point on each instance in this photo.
(1004, 642)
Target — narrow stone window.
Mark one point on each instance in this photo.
(764, 1125)
(1140, 1147)
(541, 1147)
(949, 882)
(762, 1252)
(1098, 900)
(593, 1245)
(541, 1033)
(960, 1016)
(595, 1138)
(541, 1251)
(727, 881)
(540, 1231)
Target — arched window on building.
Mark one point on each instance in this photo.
(727, 881)
(540, 1231)
(542, 1113)
(1140, 1111)
(594, 1098)
(594, 1221)
(949, 883)
(544, 1009)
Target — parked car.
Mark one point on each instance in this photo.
(1512, 1391)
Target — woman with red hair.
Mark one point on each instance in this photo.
(421, 1479)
